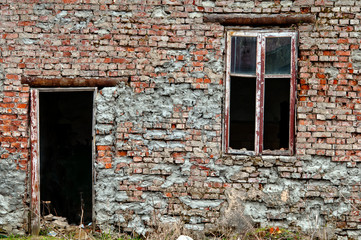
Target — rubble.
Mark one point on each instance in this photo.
(57, 226)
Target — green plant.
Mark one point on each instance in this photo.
(273, 233)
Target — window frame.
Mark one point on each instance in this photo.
(261, 36)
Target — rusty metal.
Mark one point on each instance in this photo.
(259, 19)
(34, 158)
(70, 82)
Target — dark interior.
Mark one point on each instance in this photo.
(276, 113)
(242, 113)
(66, 154)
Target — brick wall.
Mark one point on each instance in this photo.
(159, 132)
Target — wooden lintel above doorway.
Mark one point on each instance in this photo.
(70, 82)
(259, 19)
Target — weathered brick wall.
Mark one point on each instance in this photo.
(159, 131)
(14, 150)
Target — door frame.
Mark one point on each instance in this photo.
(35, 215)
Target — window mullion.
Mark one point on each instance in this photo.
(260, 69)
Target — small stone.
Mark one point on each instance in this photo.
(49, 217)
(184, 237)
(60, 224)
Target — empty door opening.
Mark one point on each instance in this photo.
(65, 124)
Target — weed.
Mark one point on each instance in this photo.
(271, 233)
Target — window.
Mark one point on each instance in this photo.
(260, 92)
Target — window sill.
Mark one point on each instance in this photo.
(264, 152)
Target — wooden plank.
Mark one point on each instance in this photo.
(227, 97)
(68, 89)
(243, 75)
(258, 141)
(34, 158)
(277, 75)
(277, 152)
(71, 82)
(259, 19)
(93, 157)
(292, 124)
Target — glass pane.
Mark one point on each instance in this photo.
(243, 55)
(242, 113)
(276, 113)
(278, 55)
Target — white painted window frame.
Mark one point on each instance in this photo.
(260, 78)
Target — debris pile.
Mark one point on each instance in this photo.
(59, 226)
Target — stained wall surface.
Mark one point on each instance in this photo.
(159, 131)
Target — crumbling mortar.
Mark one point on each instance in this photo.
(12, 194)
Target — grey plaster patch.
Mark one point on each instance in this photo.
(155, 134)
(145, 180)
(159, 13)
(186, 166)
(332, 71)
(42, 9)
(155, 200)
(61, 14)
(12, 190)
(138, 225)
(214, 179)
(273, 188)
(356, 59)
(170, 66)
(168, 219)
(59, 18)
(83, 14)
(269, 174)
(205, 109)
(334, 172)
(78, 21)
(342, 208)
(28, 41)
(200, 204)
(311, 222)
(165, 167)
(104, 128)
(104, 140)
(102, 31)
(194, 227)
(152, 200)
(118, 218)
(122, 14)
(45, 26)
(121, 196)
(195, 15)
(255, 210)
(175, 177)
(208, 3)
(224, 172)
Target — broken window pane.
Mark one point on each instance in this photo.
(278, 55)
(242, 113)
(276, 113)
(243, 55)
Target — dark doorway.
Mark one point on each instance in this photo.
(66, 154)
